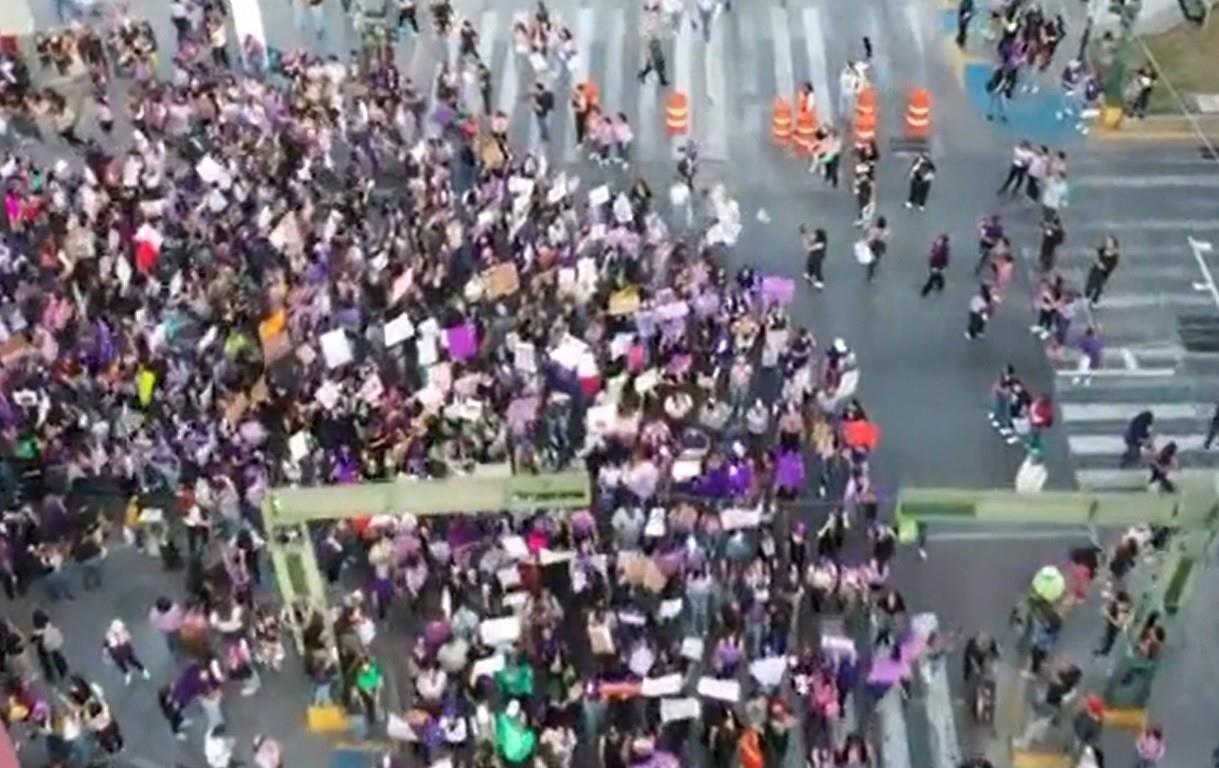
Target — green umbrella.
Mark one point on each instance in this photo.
(1049, 584)
(515, 740)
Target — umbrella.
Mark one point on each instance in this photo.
(1049, 584)
(861, 434)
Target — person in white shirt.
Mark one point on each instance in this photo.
(120, 650)
(218, 748)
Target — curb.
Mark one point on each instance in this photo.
(1160, 128)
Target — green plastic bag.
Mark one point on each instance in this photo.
(368, 679)
(515, 681)
(515, 741)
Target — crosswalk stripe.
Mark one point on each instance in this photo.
(1089, 412)
(419, 67)
(915, 17)
(1158, 299)
(615, 53)
(1115, 445)
(1130, 252)
(1159, 181)
(1181, 226)
(881, 69)
(814, 41)
(747, 60)
(508, 96)
(683, 80)
(716, 134)
(1111, 479)
(785, 77)
(488, 28)
(586, 21)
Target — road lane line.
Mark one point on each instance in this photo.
(814, 41)
(785, 77)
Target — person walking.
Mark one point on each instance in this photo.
(1117, 613)
(1053, 234)
(1039, 168)
(1104, 264)
(1017, 171)
(965, 14)
(1000, 87)
(218, 747)
(1149, 747)
(922, 172)
(937, 263)
(980, 305)
(1162, 463)
(990, 233)
(48, 644)
(1091, 355)
(542, 101)
(1138, 437)
(119, 648)
(171, 709)
(877, 241)
(654, 61)
(1213, 430)
(831, 156)
(815, 244)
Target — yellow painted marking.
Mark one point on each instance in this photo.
(1023, 759)
(1104, 135)
(958, 60)
(1126, 719)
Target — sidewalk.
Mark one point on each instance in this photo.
(1165, 128)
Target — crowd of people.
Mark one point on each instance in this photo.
(306, 271)
(316, 272)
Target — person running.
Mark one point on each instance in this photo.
(937, 264)
(815, 244)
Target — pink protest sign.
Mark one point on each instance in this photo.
(779, 290)
(462, 341)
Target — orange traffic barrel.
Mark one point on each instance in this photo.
(864, 129)
(806, 131)
(677, 114)
(591, 93)
(918, 114)
(865, 101)
(781, 124)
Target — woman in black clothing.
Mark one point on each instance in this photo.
(815, 244)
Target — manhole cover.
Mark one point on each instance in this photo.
(1199, 333)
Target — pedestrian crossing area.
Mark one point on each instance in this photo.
(1159, 314)
(753, 52)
